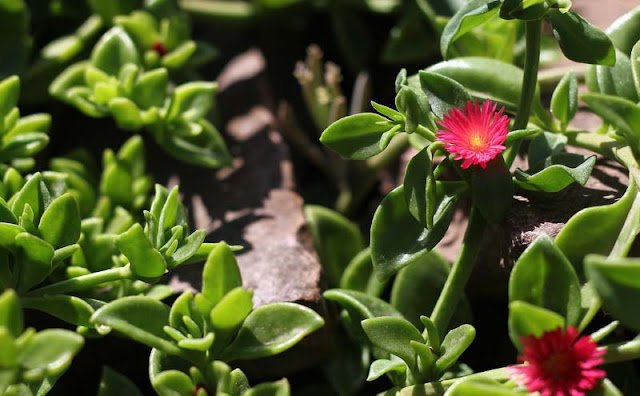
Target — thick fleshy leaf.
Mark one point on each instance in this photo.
(358, 136)
(544, 277)
(220, 274)
(151, 88)
(192, 101)
(278, 388)
(71, 309)
(471, 14)
(145, 261)
(443, 92)
(417, 287)
(635, 66)
(381, 367)
(394, 334)
(453, 346)
(272, 329)
(620, 113)
(336, 239)
(390, 250)
(361, 305)
(560, 171)
(624, 32)
(11, 313)
(60, 223)
(206, 148)
(9, 92)
(227, 316)
(35, 194)
(173, 383)
(526, 319)
(419, 187)
(604, 224)
(492, 79)
(615, 81)
(35, 266)
(492, 190)
(113, 383)
(564, 101)
(414, 106)
(480, 387)
(50, 350)
(114, 50)
(126, 114)
(359, 275)
(139, 318)
(580, 41)
(617, 282)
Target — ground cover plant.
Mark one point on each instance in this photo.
(91, 243)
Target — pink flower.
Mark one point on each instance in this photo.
(475, 135)
(559, 363)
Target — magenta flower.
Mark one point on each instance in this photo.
(475, 135)
(559, 363)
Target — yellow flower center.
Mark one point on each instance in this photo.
(476, 142)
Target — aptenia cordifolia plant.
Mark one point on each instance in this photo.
(453, 113)
(90, 244)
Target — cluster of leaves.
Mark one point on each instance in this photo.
(553, 284)
(129, 77)
(193, 340)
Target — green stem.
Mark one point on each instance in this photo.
(529, 83)
(220, 11)
(460, 273)
(84, 282)
(426, 133)
(437, 388)
(622, 351)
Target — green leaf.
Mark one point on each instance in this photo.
(220, 274)
(36, 263)
(381, 367)
(361, 305)
(358, 136)
(419, 186)
(391, 250)
(480, 387)
(278, 388)
(146, 262)
(151, 89)
(492, 190)
(173, 383)
(414, 106)
(580, 41)
(615, 81)
(635, 66)
(394, 334)
(60, 222)
(227, 316)
(453, 346)
(114, 50)
(113, 383)
(544, 146)
(621, 113)
(11, 313)
(561, 170)
(22, 145)
(272, 329)
(624, 32)
(180, 55)
(139, 318)
(71, 309)
(336, 239)
(192, 101)
(544, 277)
(444, 93)
(206, 148)
(417, 288)
(617, 282)
(359, 275)
(10, 93)
(126, 114)
(525, 10)
(564, 101)
(526, 319)
(35, 194)
(604, 224)
(188, 247)
(471, 14)
(491, 79)
(50, 350)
